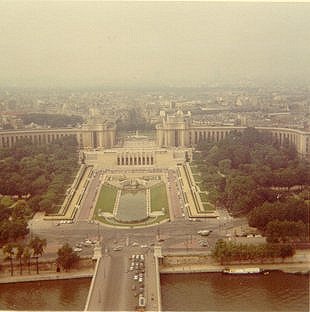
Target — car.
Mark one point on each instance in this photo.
(143, 246)
(118, 248)
(136, 277)
(134, 244)
(140, 280)
(204, 232)
(142, 257)
(131, 268)
(76, 249)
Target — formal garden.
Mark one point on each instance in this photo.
(134, 204)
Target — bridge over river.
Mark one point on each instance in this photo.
(114, 288)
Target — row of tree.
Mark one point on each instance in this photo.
(230, 251)
(251, 174)
(52, 120)
(134, 121)
(43, 173)
(23, 253)
(66, 257)
(13, 220)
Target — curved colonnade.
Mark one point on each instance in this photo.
(168, 135)
(180, 131)
(88, 136)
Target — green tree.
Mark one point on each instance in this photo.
(37, 246)
(282, 231)
(27, 257)
(286, 251)
(8, 251)
(19, 256)
(67, 258)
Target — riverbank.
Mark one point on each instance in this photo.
(47, 276)
(301, 268)
(299, 263)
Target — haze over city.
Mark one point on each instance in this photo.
(152, 44)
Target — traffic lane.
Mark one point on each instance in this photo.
(175, 201)
(118, 295)
(100, 285)
(88, 200)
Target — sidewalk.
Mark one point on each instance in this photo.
(45, 276)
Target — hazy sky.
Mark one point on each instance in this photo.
(131, 43)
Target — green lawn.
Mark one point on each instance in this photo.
(194, 169)
(159, 198)
(208, 207)
(106, 199)
(203, 197)
(197, 178)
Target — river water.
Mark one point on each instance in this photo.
(221, 292)
(61, 295)
(180, 292)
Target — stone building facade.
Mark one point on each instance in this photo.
(175, 131)
(179, 130)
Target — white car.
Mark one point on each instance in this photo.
(77, 249)
(204, 232)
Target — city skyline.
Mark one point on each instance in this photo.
(152, 44)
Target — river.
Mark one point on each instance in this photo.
(222, 292)
(61, 295)
(180, 292)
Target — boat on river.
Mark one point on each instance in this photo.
(242, 271)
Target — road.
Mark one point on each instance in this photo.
(89, 199)
(178, 234)
(114, 283)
